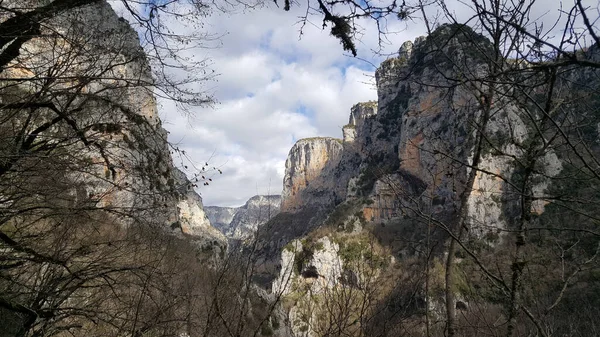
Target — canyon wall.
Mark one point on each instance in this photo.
(404, 175)
(307, 168)
(101, 103)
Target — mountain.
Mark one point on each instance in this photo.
(462, 202)
(241, 223)
(96, 219)
(421, 212)
(220, 217)
(124, 161)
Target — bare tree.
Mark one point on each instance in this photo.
(86, 181)
(521, 103)
(534, 85)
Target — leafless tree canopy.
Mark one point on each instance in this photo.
(86, 180)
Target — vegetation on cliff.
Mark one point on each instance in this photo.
(466, 207)
(489, 212)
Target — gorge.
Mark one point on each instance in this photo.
(462, 202)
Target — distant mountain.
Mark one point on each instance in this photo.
(240, 223)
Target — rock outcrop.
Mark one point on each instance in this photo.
(101, 103)
(308, 195)
(406, 163)
(307, 168)
(191, 215)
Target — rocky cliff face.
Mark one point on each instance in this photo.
(242, 223)
(101, 103)
(307, 167)
(405, 161)
(191, 216)
(359, 117)
(401, 152)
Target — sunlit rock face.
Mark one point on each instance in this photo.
(307, 169)
(241, 223)
(360, 126)
(312, 186)
(318, 275)
(360, 112)
(105, 85)
(191, 216)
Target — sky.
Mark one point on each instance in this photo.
(273, 88)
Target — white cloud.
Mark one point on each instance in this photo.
(274, 89)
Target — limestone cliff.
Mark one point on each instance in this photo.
(100, 103)
(191, 216)
(402, 176)
(359, 116)
(307, 167)
(401, 153)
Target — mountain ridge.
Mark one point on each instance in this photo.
(416, 173)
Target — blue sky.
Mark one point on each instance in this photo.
(274, 88)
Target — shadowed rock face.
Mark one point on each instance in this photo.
(131, 169)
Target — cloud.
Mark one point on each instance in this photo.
(274, 88)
